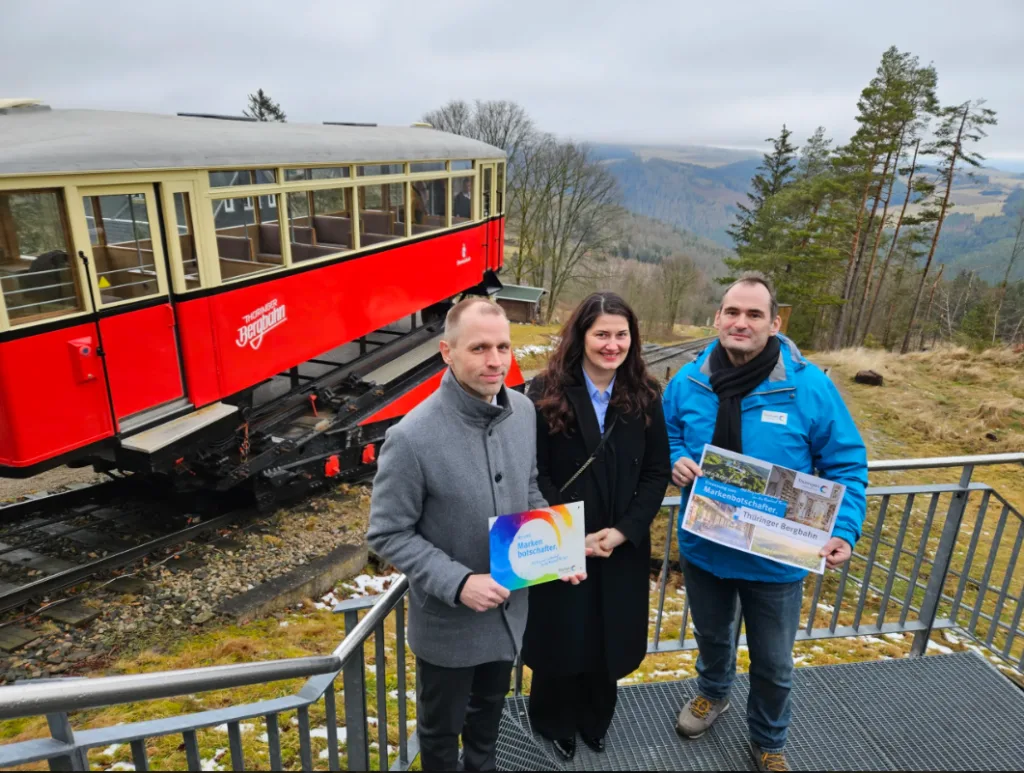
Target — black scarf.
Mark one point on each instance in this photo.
(732, 384)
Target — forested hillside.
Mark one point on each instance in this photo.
(696, 198)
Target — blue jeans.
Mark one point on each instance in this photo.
(771, 612)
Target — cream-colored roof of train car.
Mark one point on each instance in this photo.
(44, 141)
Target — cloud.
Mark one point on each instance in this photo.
(666, 71)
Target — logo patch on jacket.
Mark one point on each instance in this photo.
(774, 417)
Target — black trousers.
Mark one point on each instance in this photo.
(454, 701)
(561, 704)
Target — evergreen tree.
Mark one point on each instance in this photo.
(887, 105)
(263, 108)
(960, 124)
(773, 175)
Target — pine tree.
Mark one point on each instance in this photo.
(773, 175)
(887, 105)
(960, 124)
(263, 108)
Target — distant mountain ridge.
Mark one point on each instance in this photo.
(700, 195)
(700, 199)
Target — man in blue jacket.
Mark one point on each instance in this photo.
(754, 393)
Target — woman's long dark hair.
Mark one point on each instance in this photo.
(634, 388)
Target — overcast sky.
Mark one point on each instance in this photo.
(670, 72)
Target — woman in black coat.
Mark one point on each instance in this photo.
(581, 639)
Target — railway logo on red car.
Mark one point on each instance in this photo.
(464, 259)
(260, 322)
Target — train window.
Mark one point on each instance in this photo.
(375, 169)
(37, 279)
(429, 205)
(122, 246)
(317, 173)
(427, 166)
(319, 223)
(461, 166)
(499, 190)
(230, 178)
(248, 240)
(462, 199)
(187, 239)
(381, 213)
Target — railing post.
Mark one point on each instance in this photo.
(943, 557)
(60, 730)
(354, 677)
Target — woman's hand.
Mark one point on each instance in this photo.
(611, 540)
(593, 544)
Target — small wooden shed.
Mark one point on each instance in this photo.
(520, 302)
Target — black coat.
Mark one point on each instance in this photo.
(601, 624)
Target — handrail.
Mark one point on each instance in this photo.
(980, 460)
(47, 696)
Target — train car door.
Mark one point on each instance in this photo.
(128, 280)
(486, 213)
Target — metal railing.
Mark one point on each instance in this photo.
(925, 562)
(932, 556)
(68, 749)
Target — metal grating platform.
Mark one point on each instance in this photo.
(942, 712)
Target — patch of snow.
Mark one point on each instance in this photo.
(111, 750)
(826, 607)
(939, 648)
(950, 637)
(283, 624)
(897, 637)
(368, 585)
(245, 727)
(817, 650)
(409, 694)
(871, 640)
(211, 764)
(321, 732)
(799, 660)
(122, 766)
(532, 349)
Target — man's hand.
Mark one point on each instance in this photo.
(611, 540)
(592, 543)
(836, 552)
(684, 471)
(481, 593)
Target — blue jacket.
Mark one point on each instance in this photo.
(818, 436)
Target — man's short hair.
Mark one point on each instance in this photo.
(454, 315)
(755, 278)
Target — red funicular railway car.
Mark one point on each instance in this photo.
(222, 299)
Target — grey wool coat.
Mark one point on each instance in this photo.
(449, 465)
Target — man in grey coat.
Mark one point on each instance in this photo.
(468, 452)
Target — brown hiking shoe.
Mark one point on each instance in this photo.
(770, 761)
(698, 715)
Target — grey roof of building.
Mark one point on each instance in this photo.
(53, 141)
(522, 293)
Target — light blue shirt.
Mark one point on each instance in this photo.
(599, 399)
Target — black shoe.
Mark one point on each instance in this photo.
(566, 748)
(594, 742)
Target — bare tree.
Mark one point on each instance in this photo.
(679, 278)
(503, 124)
(455, 117)
(497, 122)
(1015, 252)
(577, 218)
